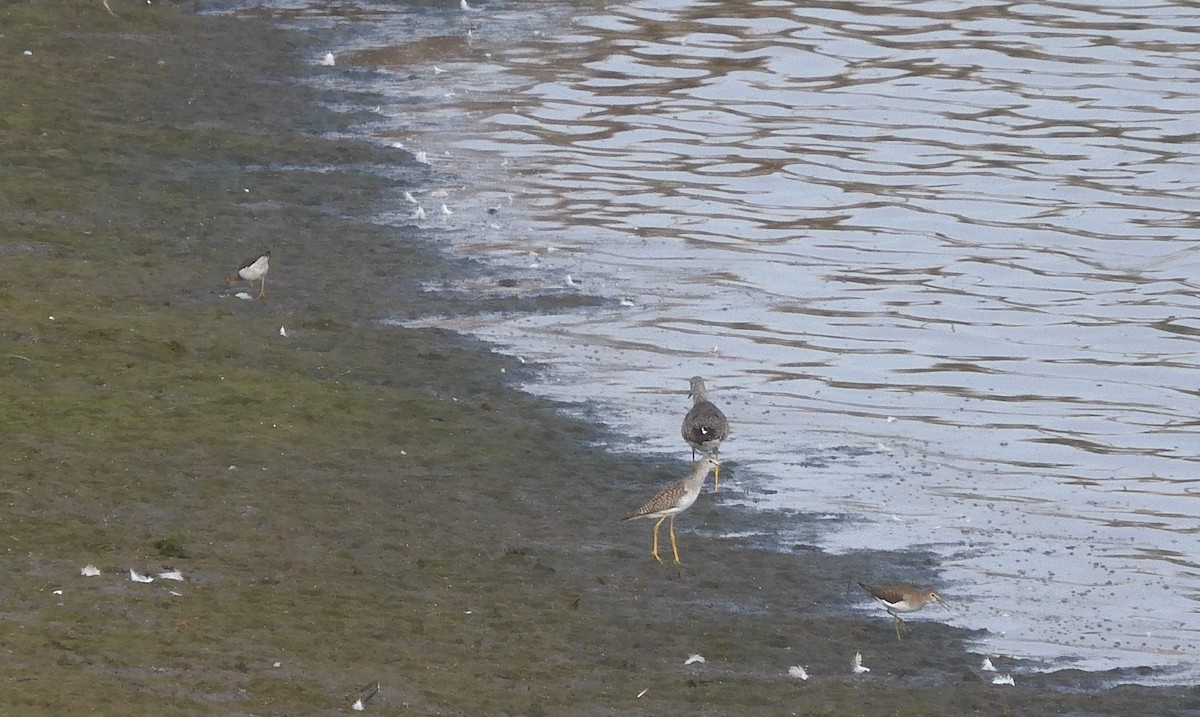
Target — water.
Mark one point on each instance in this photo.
(937, 261)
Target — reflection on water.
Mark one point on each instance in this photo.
(937, 261)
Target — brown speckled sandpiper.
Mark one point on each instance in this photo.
(675, 499)
(902, 598)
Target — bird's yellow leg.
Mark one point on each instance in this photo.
(656, 526)
(674, 547)
(716, 479)
(897, 622)
(262, 289)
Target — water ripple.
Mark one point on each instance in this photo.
(938, 261)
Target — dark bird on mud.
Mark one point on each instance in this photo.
(674, 499)
(252, 271)
(902, 598)
(704, 426)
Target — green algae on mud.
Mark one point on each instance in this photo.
(356, 501)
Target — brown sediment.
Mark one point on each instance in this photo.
(354, 502)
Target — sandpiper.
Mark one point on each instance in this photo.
(252, 271)
(902, 598)
(704, 426)
(675, 499)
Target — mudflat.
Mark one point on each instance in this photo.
(354, 503)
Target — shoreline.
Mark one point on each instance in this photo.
(356, 502)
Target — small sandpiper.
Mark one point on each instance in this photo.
(902, 598)
(252, 271)
(704, 426)
(675, 499)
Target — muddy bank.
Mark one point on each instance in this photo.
(353, 502)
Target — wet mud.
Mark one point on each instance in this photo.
(352, 503)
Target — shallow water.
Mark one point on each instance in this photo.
(937, 262)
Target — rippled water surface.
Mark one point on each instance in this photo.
(937, 261)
